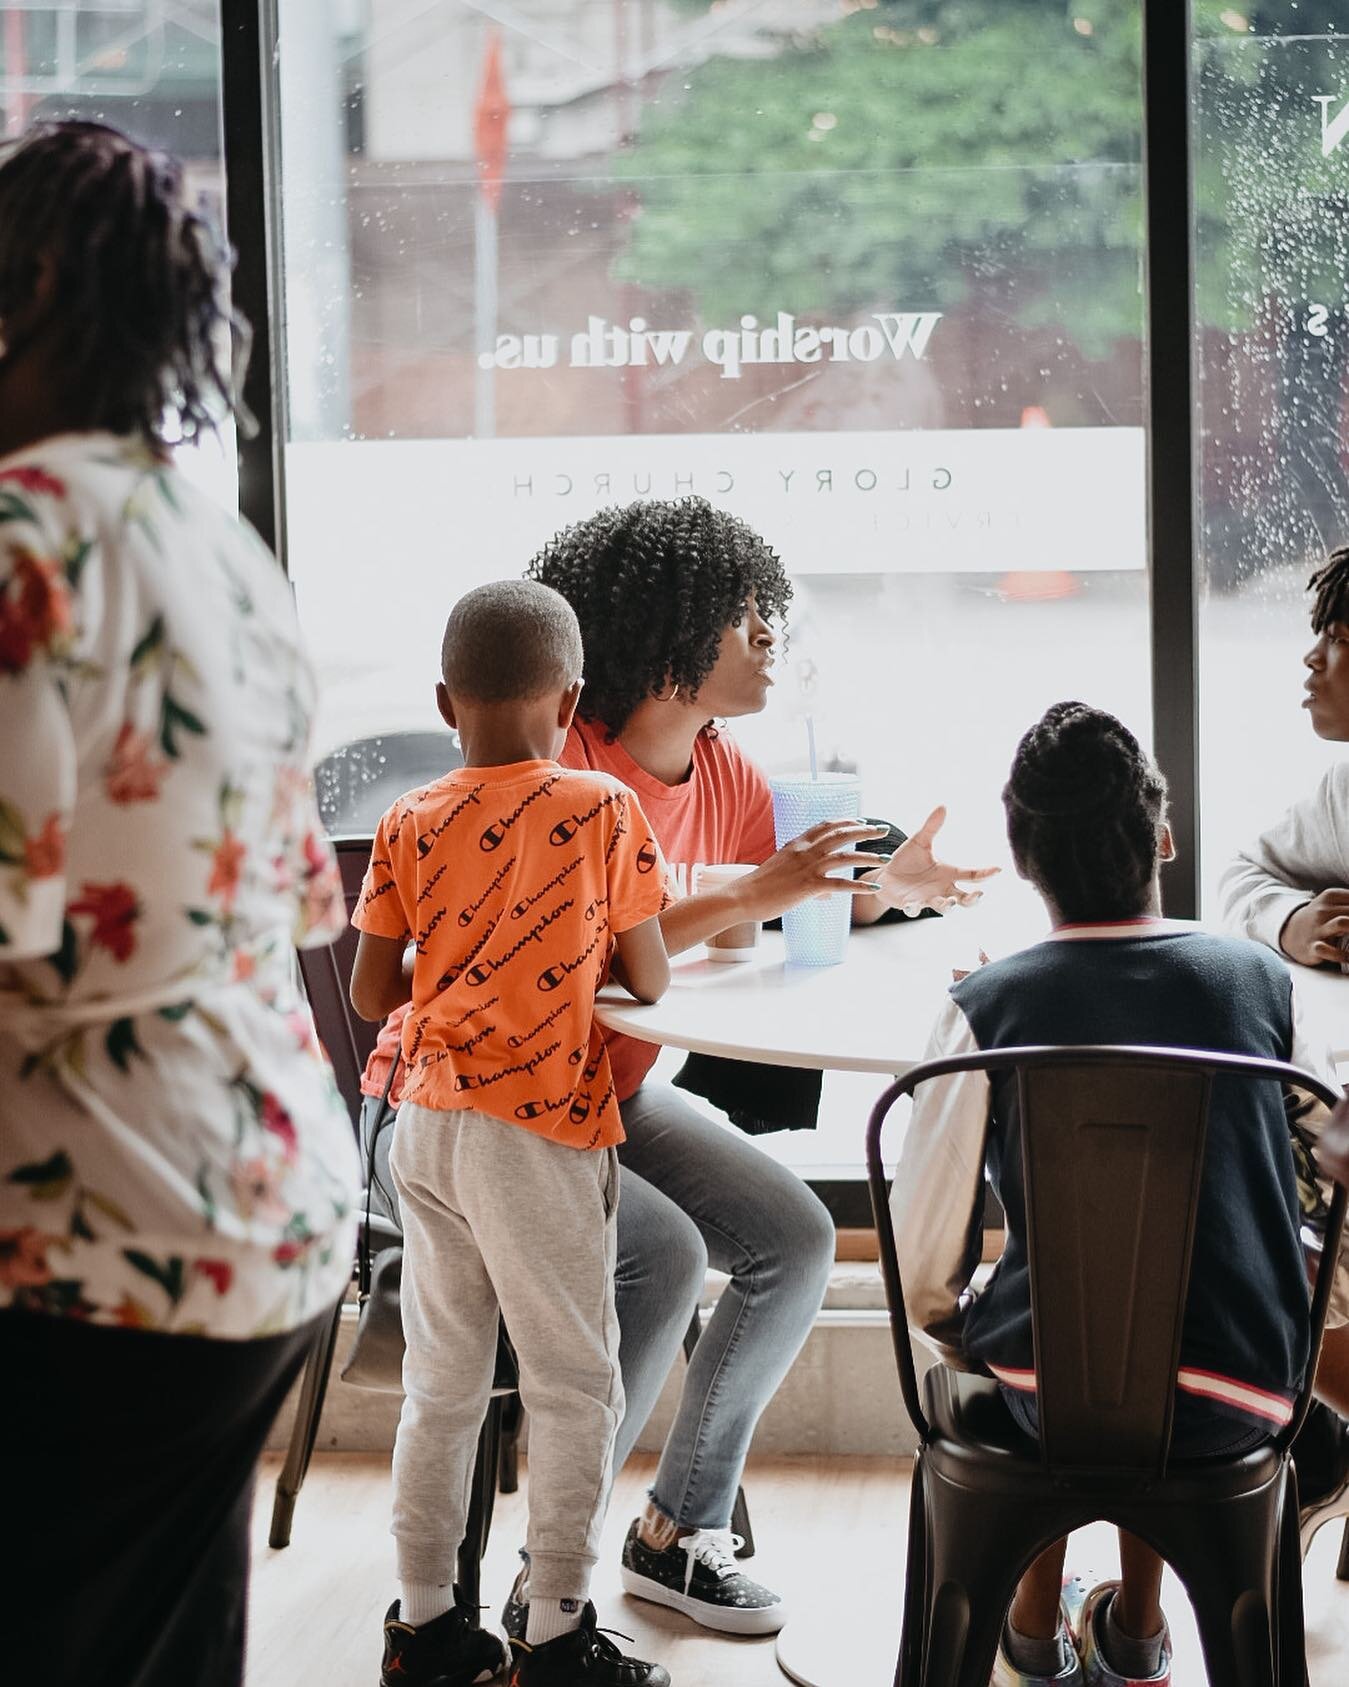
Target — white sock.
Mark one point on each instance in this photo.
(423, 1602)
(550, 1618)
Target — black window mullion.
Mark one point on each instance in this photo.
(1170, 444)
(252, 189)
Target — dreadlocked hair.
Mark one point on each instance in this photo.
(1331, 585)
(654, 586)
(1085, 808)
(139, 296)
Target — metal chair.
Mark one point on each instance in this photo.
(348, 1040)
(1108, 1296)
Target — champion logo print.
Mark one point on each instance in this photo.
(566, 830)
(494, 836)
(426, 842)
(467, 915)
(522, 907)
(551, 978)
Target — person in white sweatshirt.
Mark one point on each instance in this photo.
(1289, 890)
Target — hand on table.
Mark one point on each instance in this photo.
(801, 869)
(1313, 933)
(913, 878)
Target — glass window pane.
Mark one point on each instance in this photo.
(845, 268)
(1272, 244)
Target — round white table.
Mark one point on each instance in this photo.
(871, 1013)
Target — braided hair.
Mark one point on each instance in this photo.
(138, 309)
(1085, 808)
(1331, 585)
(654, 586)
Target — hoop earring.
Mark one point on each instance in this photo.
(669, 699)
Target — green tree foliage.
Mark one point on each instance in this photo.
(949, 154)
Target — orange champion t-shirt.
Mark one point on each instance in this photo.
(722, 812)
(512, 882)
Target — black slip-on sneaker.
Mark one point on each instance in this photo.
(449, 1651)
(584, 1658)
(699, 1576)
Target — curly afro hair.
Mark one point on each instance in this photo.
(1085, 807)
(654, 586)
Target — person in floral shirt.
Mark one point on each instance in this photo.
(177, 1170)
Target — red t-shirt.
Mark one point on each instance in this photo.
(722, 812)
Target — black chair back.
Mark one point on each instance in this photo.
(327, 979)
(1111, 1173)
(1112, 1151)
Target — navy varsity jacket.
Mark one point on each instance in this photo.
(1245, 1334)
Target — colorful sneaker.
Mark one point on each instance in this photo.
(699, 1576)
(515, 1612)
(1006, 1673)
(449, 1651)
(1084, 1611)
(584, 1658)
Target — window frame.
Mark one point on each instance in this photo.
(252, 144)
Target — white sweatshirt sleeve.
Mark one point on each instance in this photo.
(937, 1199)
(1307, 852)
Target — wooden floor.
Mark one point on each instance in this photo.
(831, 1538)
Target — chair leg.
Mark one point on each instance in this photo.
(971, 1561)
(512, 1422)
(693, 1332)
(740, 1523)
(1236, 1592)
(482, 1499)
(1342, 1568)
(1290, 1639)
(304, 1431)
(909, 1668)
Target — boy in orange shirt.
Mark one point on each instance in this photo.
(518, 885)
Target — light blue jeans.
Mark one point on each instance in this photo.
(694, 1193)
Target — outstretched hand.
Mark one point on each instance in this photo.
(913, 879)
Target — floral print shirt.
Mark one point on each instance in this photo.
(174, 1154)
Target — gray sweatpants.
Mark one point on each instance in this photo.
(497, 1218)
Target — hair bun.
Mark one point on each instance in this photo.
(1080, 762)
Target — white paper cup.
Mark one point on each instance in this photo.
(740, 941)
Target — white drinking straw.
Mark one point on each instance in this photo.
(810, 739)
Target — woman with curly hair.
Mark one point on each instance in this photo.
(177, 1180)
(677, 604)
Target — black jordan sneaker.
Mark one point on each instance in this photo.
(584, 1658)
(449, 1651)
(699, 1576)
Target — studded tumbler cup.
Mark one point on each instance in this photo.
(816, 932)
